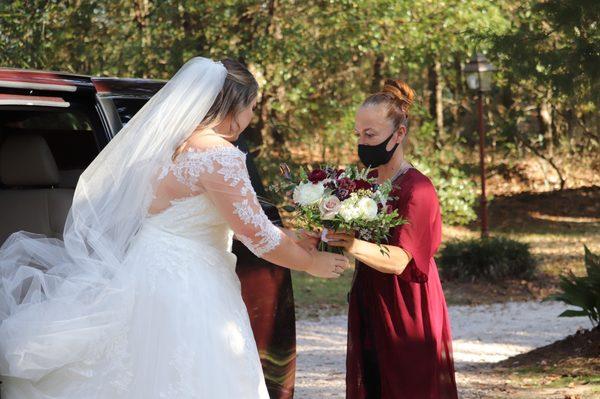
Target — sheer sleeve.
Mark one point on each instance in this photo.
(221, 173)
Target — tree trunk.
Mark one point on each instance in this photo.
(459, 85)
(377, 73)
(141, 10)
(546, 125)
(266, 112)
(545, 157)
(436, 106)
(270, 28)
(458, 93)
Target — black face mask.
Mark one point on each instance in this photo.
(376, 155)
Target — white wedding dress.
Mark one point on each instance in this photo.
(183, 330)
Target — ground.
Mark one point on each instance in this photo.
(484, 335)
(556, 225)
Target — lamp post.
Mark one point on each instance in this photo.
(479, 74)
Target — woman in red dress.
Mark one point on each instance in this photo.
(399, 339)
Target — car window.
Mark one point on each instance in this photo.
(48, 120)
(128, 107)
(68, 132)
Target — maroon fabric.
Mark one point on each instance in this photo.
(399, 339)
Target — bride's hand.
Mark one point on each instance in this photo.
(305, 239)
(327, 265)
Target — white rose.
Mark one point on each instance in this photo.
(348, 210)
(308, 193)
(329, 207)
(367, 208)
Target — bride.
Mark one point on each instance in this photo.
(141, 299)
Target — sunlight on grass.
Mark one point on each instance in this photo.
(554, 377)
(563, 219)
(320, 297)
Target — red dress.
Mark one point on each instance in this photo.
(399, 340)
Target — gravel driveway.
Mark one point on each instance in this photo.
(481, 334)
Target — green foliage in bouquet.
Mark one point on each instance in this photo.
(582, 292)
(489, 259)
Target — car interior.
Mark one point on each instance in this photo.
(43, 150)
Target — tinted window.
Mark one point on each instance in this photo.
(45, 119)
(128, 107)
(68, 132)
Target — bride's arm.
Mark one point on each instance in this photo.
(221, 172)
(304, 239)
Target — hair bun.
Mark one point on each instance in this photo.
(401, 91)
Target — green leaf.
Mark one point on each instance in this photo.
(573, 313)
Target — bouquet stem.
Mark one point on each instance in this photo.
(324, 247)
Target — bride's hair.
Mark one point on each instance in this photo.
(239, 90)
(398, 97)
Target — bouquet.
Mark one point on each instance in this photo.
(342, 200)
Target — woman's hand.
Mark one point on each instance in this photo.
(327, 265)
(342, 239)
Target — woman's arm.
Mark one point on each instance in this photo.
(393, 261)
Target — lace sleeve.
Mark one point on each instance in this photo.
(221, 172)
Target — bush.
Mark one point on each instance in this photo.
(486, 259)
(457, 194)
(456, 191)
(582, 292)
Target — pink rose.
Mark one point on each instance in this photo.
(329, 207)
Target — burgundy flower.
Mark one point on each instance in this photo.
(373, 174)
(342, 193)
(339, 172)
(395, 192)
(347, 184)
(363, 185)
(330, 185)
(317, 175)
(388, 207)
